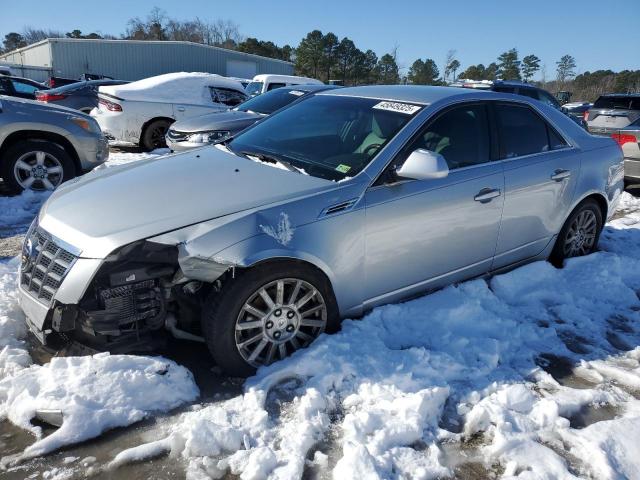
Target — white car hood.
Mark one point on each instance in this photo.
(117, 206)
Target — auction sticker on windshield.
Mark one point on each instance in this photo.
(398, 107)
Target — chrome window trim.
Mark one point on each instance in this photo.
(404, 132)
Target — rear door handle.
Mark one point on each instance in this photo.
(560, 175)
(181, 109)
(487, 194)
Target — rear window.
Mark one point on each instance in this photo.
(617, 103)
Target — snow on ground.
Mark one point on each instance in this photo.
(479, 364)
(93, 393)
(534, 374)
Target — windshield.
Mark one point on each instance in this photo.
(254, 88)
(327, 136)
(271, 101)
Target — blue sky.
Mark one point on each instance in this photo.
(478, 30)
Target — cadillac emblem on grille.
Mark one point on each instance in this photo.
(45, 263)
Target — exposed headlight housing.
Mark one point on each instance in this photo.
(215, 136)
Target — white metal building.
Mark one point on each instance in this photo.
(135, 59)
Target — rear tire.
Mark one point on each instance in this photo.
(281, 329)
(36, 165)
(153, 135)
(580, 233)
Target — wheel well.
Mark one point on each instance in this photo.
(16, 137)
(600, 200)
(149, 122)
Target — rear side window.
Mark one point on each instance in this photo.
(613, 102)
(227, 96)
(22, 87)
(522, 132)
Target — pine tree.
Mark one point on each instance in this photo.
(530, 65)
(423, 72)
(565, 68)
(509, 65)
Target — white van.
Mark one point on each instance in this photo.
(265, 82)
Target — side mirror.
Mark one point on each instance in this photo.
(423, 165)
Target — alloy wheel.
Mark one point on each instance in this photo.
(581, 235)
(278, 319)
(38, 170)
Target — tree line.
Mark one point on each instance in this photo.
(327, 57)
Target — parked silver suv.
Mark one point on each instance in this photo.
(42, 146)
(618, 116)
(347, 199)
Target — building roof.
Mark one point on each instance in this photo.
(138, 42)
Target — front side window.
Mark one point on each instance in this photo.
(328, 136)
(227, 96)
(254, 88)
(522, 131)
(460, 135)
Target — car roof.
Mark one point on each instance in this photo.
(308, 87)
(283, 78)
(630, 95)
(407, 93)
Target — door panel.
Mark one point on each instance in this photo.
(541, 171)
(535, 204)
(423, 234)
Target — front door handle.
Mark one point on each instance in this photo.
(560, 175)
(487, 194)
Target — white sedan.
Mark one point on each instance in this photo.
(139, 113)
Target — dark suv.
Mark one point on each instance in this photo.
(519, 88)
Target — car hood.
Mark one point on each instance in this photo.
(230, 119)
(116, 206)
(34, 106)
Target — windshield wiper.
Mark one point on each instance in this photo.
(267, 158)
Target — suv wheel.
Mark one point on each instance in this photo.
(265, 314)
(36, 165)
(153, 135)
(580, 234)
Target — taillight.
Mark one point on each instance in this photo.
(49, 97)
(585, 115)
(111, 106)
(623, 138)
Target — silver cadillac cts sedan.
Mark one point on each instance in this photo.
(346, 200)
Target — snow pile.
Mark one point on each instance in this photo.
(382, 398)
(13, 353)
(20, 210)
(94, 394)
(179, 87)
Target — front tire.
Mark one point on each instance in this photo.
(153, 135)
(580, 234)
(265, 314)
(36, 165)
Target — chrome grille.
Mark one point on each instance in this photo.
(45, 263)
